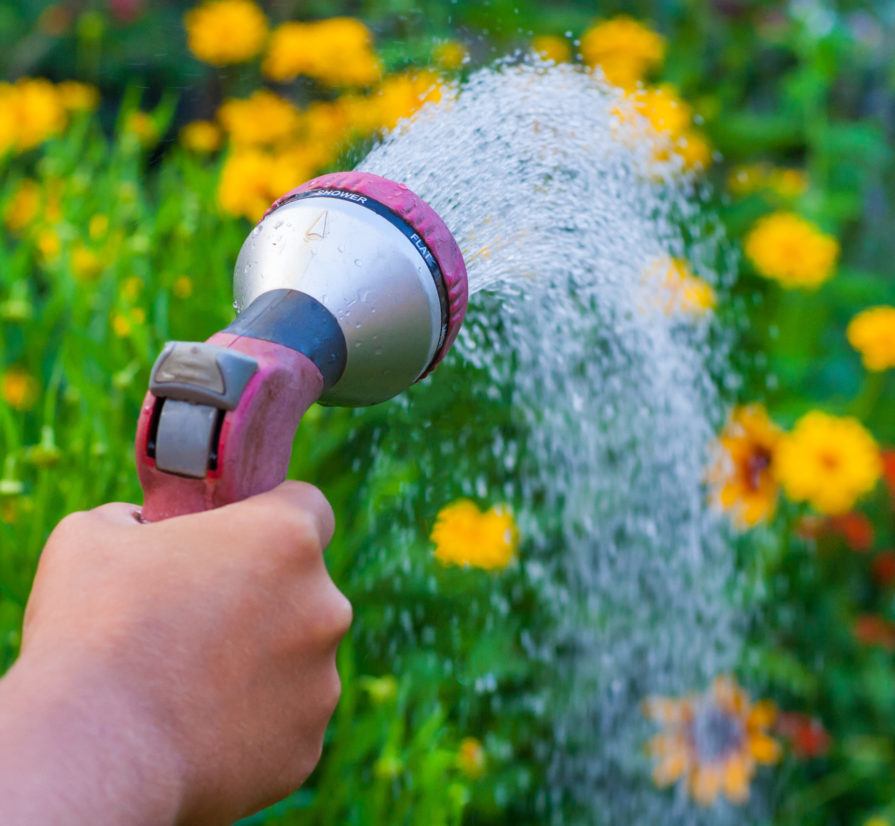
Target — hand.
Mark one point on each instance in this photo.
(198, 653)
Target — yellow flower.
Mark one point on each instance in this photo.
(450, 55)
(747, 178)
(624, 49)
(788, 183)
(786, 248)
(398, 97)
(31, 111)
(694, 148)
(263, 119)
(131, 288)
(22, 208)
(663, 109)
(18, 388)
(48, 244)
(465, 536)
(85, 263)
(226, 31)
(337, 52)
(712, 741)
(471, 758)
(744, 478)
(182, 287)
(142, 126)
(382, 690)
(686, 292)
(551, 47)
(872, 334)
(98, 226)
(828, 461)
(78, 97)
(877, 821)
(201, 136)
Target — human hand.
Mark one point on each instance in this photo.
(203, 648)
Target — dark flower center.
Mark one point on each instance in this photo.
(715, 733)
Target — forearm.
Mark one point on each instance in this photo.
(76, 750)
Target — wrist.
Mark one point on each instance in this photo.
(78, 745)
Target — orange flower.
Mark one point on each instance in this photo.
(806, 735)
(745, 477)
(712, 742)
(884, 568)
(855, 528)
(872, 629)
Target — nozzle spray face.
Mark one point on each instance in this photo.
(379, 260)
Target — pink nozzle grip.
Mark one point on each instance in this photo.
(256, 438)
(416, 212)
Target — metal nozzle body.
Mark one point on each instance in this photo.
(367, 272)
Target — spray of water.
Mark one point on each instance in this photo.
(568, 220)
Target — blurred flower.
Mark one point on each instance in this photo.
(471, 758)
(884, 568)
(624, 49)
(450, 55)
(382, 690)
(872, 629)
(126, 10)
(806, 735)
(551, 47)
(131, 288)
(663, 108)
(694, 148)
(123, 323)
(877, 821)
(31, 111)
(143, 127)
(791, 250)
(337, 52)
(828, 461)
(747, 178)
(388, 766)
(262, 119)
(712, 741)
(786, 183)
(226, 31)
(401, 95)
(465, 536)
(22, 208)
(201, 136)
(98, 226)
(54, 20)
(745, 477)
(888, 460)
(85, 263)
(78, 97)
(855, 528)
(686, 292)
(18, 388)
(48, 244)
(182, 287)
(872, 334)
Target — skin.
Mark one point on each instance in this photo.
(181, 672)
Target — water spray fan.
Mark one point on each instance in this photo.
(351, 288)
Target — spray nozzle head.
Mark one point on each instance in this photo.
(380, 260)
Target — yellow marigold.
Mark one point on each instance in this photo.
(201, 136)
(77, 96)
(624, 49)
(19, 388)
(465, 536)
(712, 741)
(337, 52)
(551, 47)
(48, 244)
(220, 32)
(695, 149)
(143, 127)
(828, 461)
(786, 248)
(788, 183)
(182, 287)
(85, 263)
(450, 55)
(20, 210)
(260, 120)
(31, 111)
(398, 97)
(471, 758)
(744, 477)
(872, 334)
(686, 292)
(663, 109)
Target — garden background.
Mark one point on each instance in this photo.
(131, 166)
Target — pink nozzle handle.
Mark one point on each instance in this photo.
(256, 437)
